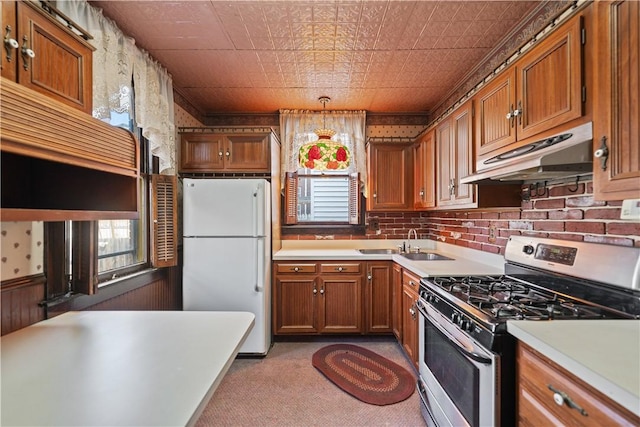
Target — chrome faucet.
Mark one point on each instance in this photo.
(415, 235)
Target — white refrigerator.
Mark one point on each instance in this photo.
(227, 251)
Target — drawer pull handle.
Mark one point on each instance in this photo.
(561, 397)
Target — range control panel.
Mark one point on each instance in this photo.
(558, 254)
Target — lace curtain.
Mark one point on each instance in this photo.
(116, 63)
(295, 126)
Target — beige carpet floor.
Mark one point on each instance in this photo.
(284, 389)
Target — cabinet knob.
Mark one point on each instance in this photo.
(561, 398)
(369, 277)
(315, 291)
(375, 195)
(228, 153)
(10, 44)
(296, 269)
(339, 269)
(602, 153)
(27, 53)
(321, 291)
(220, 153)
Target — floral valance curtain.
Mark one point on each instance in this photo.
(297, 127)
(116, 63)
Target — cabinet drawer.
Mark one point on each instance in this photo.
(536, 374)
(296, 268)
(410, 280)
(340, 268)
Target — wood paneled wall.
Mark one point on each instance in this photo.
(21, 302)
(159, 289)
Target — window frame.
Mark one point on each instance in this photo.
(291, 225)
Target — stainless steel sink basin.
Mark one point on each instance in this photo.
(426, 256)
(369, 251)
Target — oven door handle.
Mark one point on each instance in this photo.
(460, 346)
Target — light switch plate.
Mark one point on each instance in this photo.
(630, 209)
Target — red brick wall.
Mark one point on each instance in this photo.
(557, 212)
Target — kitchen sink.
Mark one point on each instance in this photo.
(369, 251)
(426, 256)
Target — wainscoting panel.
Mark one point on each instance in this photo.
(20, 302)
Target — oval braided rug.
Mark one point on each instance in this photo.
(364, 374)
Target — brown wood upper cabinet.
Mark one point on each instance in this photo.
(41, 54)
(454, 158)
(542, 90)
(208, 151)
(390, 176)
(424, 171)
(616, 166)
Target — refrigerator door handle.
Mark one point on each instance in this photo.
(259, 210)
(259, 268)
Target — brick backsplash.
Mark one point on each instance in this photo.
(563, 211)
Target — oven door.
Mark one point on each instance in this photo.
(457, 376)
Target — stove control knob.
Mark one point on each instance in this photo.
(455, 318)
(465, 325)
(528, 249)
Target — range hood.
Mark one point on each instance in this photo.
(560, 155)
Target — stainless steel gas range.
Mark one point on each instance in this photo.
(467, 359)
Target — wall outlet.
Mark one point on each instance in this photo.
(374, 223)
(630, 209)
(492, 233)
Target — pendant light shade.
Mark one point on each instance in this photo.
(324, 153)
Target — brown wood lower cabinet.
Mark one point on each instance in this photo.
(545, 390)
(332, 297)
(410, 318)
(378, 297)
(314, 298)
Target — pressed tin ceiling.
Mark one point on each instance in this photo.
(261, 56)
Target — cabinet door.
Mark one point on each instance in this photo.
(62, 65)
(424, 172)
(550, 81)
(295, 304)
(378, 297)
(463, 155)
(340, 299)
(247, 153)
(444, 154)
(396, 300)
(454, 154)
(616, 176)
(410, 323)
(494, 120)
(200, 152)
(9, 28)
(390, 177)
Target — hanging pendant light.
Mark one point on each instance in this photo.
(324, 153)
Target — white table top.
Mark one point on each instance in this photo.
(118, 368)
(603, 353)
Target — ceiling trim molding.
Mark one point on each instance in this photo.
(273, 119)
(183, 102)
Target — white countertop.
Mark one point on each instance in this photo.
(603, 353)
(465, 261)
(118, 368)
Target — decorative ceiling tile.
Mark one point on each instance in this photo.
(378, 55)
